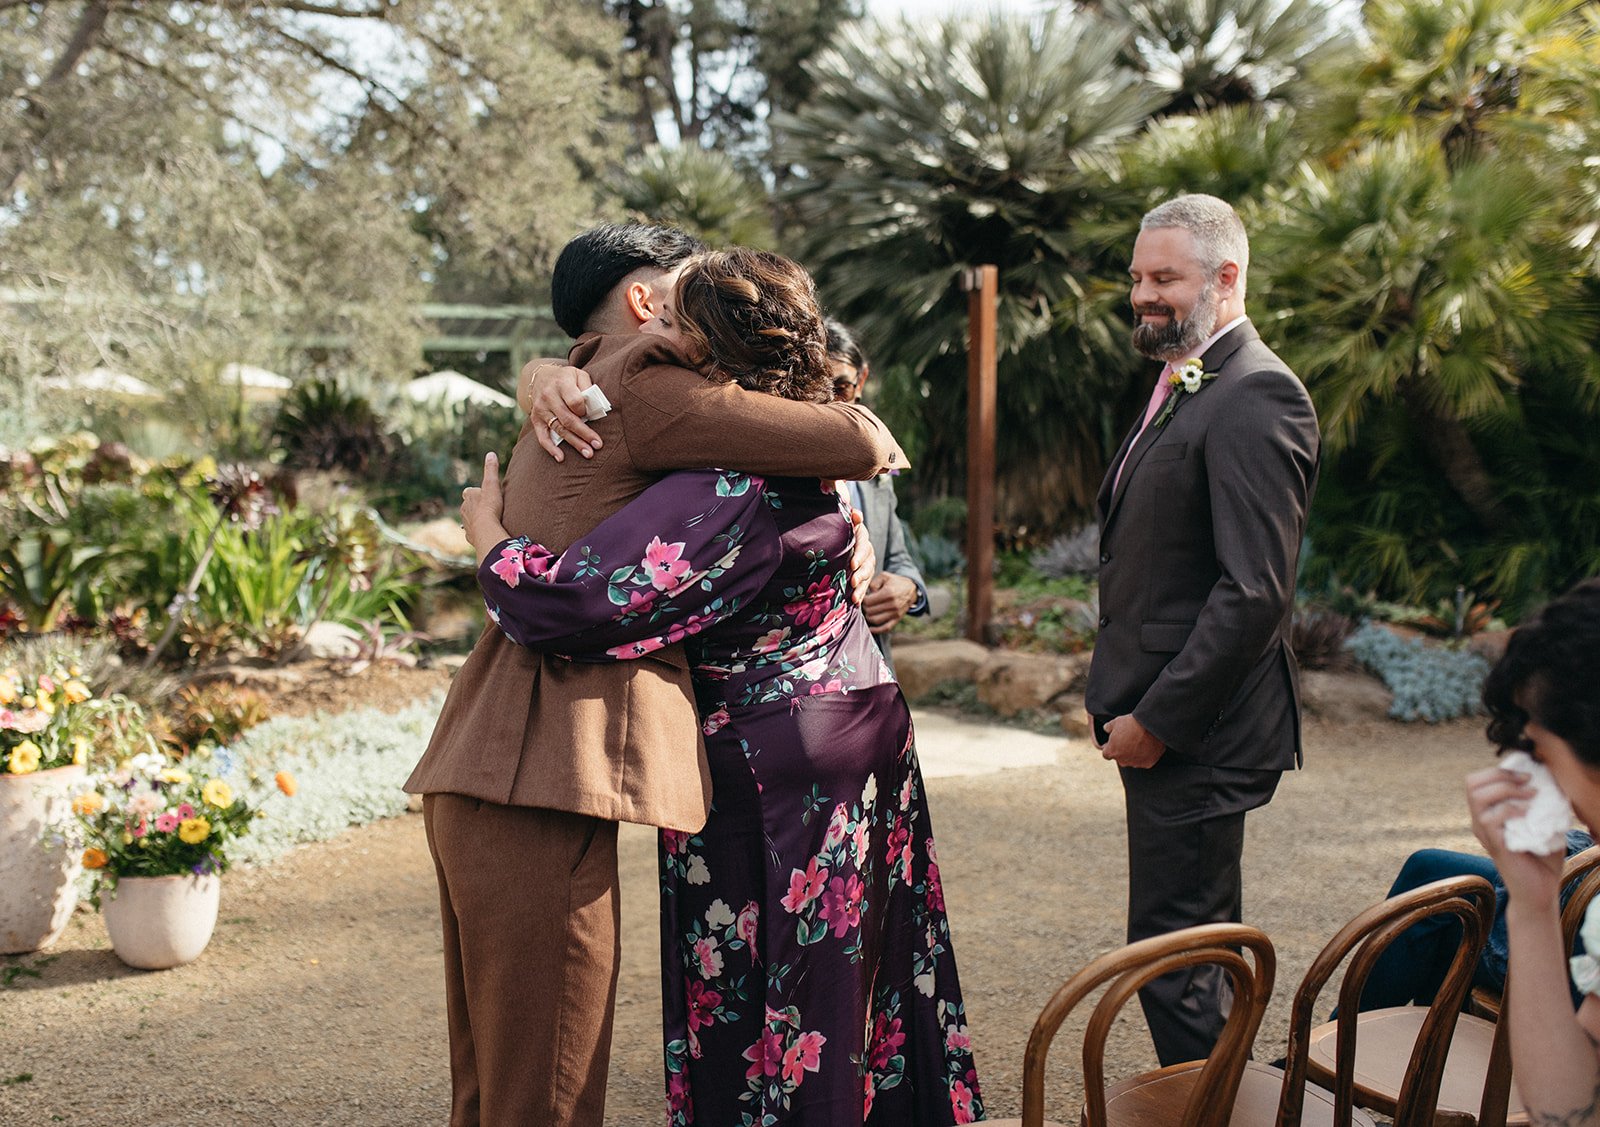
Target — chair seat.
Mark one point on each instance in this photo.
(1157, 1099)
(1384, 1039)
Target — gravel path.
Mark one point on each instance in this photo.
(320, 999)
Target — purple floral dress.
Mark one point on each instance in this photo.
(809, 975)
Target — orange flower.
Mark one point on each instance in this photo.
(88, 803)
(286, 783)
(95, 858)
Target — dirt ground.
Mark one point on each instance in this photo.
(320, 999)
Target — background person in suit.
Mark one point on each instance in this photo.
(898, 589)
(1193, 689)
(535, 759)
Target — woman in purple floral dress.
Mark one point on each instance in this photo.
(809, 975)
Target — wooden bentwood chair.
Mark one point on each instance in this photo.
(1197, 1094)
(1476, 1084)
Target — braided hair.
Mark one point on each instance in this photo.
(752, 318)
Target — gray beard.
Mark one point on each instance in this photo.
(1179, 339)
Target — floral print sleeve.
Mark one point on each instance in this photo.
(683, 555)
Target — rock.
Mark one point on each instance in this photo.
(331, 640)
(1489, 644)
(255, 677)
(443, 536)
(446, 614)
(1074, 720)
(1344, 696)
(922, 665)
(940, 599)
(1016, 682)
(451, 662)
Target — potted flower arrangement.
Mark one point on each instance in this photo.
(155, 839)
(46, 724)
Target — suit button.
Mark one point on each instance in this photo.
(1105, 557)
(1104, 622)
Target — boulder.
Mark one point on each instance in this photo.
(1074, 720)
(1017, 682)
(1344, 696)
(443, 536)
(331, 640)
(922, 665)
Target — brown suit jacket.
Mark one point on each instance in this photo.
(621, 740)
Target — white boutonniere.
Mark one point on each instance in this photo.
(1186, 379)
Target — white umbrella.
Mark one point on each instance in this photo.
(104, 381)
(452, 388)
(255, 383)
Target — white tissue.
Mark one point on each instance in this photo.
(596, 406)
(1542, 828)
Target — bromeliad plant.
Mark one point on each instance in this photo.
(153, 817)
(46, 719)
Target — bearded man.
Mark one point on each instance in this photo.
(1193, 688)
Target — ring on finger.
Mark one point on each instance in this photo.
(555, 421)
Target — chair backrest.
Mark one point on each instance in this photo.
(1471, 900)
(1581, 877)
(1129, 969)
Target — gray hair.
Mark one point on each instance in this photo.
(1218, 232)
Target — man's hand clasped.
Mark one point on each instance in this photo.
(1130, 744)
(889, 597)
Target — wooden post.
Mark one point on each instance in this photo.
(982, 284)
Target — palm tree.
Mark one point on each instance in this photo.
(1208, 53)
(1425, 307)
(923, 151)
(699, 190)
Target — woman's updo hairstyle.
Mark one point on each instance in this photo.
(752, 318)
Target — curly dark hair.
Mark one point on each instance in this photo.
(751, 317)
(1547, 675)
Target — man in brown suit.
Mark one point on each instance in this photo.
(535, 759)
(1193, 687)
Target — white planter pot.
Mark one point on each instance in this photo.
(37, 893)
(161, 922)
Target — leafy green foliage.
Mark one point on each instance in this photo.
(40, 571)
(700, 191)
(321, 425)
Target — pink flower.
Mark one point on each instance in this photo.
(508, 568)
(935, 887)
(664, 563)
(138, 828)
(886, 1040)
(715, 722)
(772, 640)
(47, 684)
(899, 852)
(167, 823)
(841, 903)
(961, 1098)
(834, 686)
(905, 793)
(868, 1094)
(707, 955)
(745, 926)
(863, 837)
(764, 1056)
(804, 887)
(185, 811)
(956, 1038)
(812, 607)
(805, 1055)
(836, 826)
(639, 648)
(678, 1097)
(703, 1003)
(29, 720)
(674, 841)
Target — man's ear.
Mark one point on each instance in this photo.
(639, 298)
(1228, 277)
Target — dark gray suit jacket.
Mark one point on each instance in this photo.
(1199, 545)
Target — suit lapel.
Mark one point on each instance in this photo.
(1214, 359)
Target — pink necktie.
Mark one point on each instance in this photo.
(1158, 396)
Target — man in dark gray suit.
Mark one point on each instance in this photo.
(1193, 689)
(898, 589)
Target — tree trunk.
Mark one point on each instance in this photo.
(1447, 442)
(90, 24)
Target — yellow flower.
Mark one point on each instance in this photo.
(76, 692)
(47, 705)
(25, 758)
(74, 671)
(80, 749)
(8, 689)
(88, 803)
(28, 701)
(194, 830)
(176, 775)
(94, 858)
(286, 783)
(217, 793)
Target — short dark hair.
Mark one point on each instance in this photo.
(1547, 675)
(842, 344)
(591, 265)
